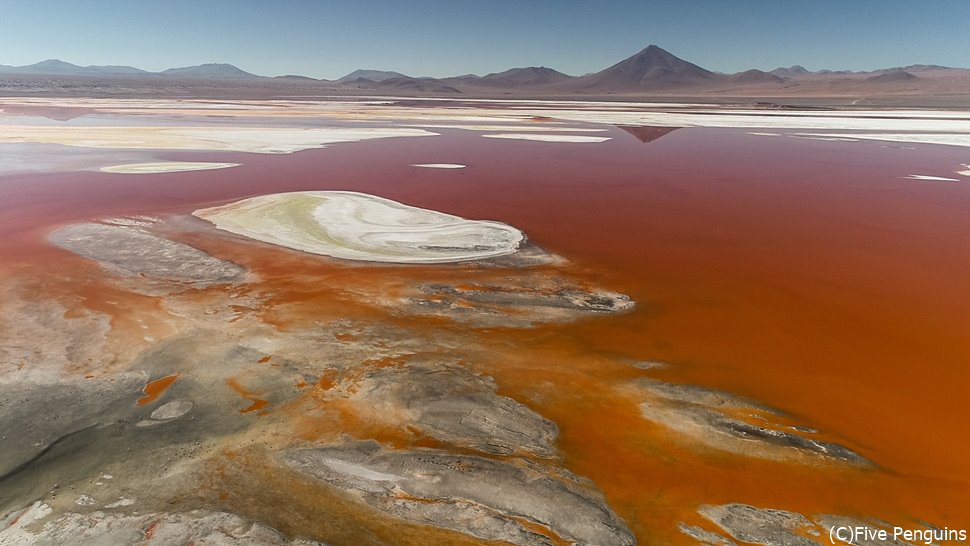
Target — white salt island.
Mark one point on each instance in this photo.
(359, 226)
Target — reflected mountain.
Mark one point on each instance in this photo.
(647, 133)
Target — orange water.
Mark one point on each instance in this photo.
(155, 388)
(804, 274)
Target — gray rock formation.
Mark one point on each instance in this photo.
(761, 526)
(558, 297)
(130, 250)
(773, 527)
(515, 301)
(703, 536)
(35, 525)
(731, 423)
(450, 403)
(514, 501)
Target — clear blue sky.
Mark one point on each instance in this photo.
(450, 37)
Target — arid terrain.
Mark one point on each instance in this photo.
(651, 74)
(443, 319)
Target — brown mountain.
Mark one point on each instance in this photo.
(754, 76)
(894, 76)
(209, 71)
(528, 77)
(53, 67)
(533, 75)
(792, 71)
(651, 68)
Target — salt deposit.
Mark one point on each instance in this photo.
(264, 140)
(165, 167)
(549, 138)
(358, 226)
(440, 165)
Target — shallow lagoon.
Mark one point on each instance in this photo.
(811, 276)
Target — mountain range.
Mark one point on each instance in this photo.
(652, 70)
(61, 68)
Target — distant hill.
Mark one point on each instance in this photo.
(893, 76)
(925, 67)
(422, 85)
(57, 67)
(296, 78)
(754, 76)
(651, 68)
(792, 71)
(532, 75)
(915, 69)
(372, 75)
(514, 78)
(360, 82)
(464, 80)
(208, 70)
